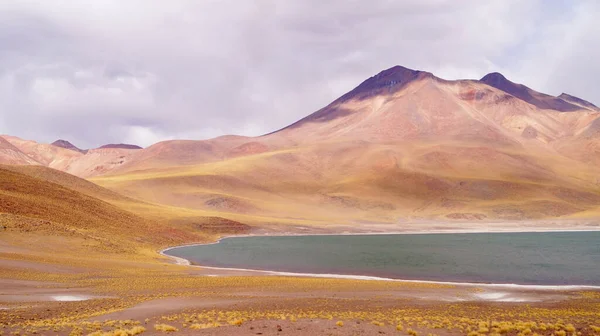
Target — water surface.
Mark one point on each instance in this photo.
(549, 258)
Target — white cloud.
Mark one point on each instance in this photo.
(142, 136)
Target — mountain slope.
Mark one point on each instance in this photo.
(63, 156)
(578, 101)
(36, 205)
(67, 145)
(46, 154)
(67, 181)
(540, 100)
(402, 145)
(121, 146)
(9, 154)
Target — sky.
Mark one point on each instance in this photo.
(135, 71)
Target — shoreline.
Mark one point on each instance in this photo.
(186, 262)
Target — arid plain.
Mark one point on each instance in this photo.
(405, 151)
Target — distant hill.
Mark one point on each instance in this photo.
(121, 146)
(67, 145)
(577, 101)
(540, 100)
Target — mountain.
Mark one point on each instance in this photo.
(386, 82)
(120, 146)
(9, 154)
(64, 156)
(578, 101)
(403, 145)
(540, 100)
(43, 154)
(67, 145)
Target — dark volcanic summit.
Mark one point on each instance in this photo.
(572, 99)
(67, 145)
(387, 81)
(121, 146)
(540, 100)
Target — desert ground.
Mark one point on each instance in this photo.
(55, 284)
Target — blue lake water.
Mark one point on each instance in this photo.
(549, 258)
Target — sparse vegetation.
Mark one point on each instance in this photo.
(121, 272)
(165, 328)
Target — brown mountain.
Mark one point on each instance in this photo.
(120, 146)
(84, 163)
(403, 145)
(9, 154)
(67, 145)
(577, 101)
(540, 100)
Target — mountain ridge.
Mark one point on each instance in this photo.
(540, 100)
(120, 145)
(576, 100)
(67, 145)
(402, 144)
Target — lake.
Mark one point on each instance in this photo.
(548, 258)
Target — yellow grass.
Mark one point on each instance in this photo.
(342, 182)
(165, 328)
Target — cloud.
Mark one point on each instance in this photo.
(97, 72)
(563, 57)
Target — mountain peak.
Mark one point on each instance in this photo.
(540, 100)
(397, 70)
(500, 82)
(396, 75)
(67, 145)
(578, 101)
(120, 146)
(494, 77)
(386, 81)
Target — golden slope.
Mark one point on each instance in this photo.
(68, 181)
(36, 205)
(348, 182)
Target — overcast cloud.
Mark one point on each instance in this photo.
(137, 71)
